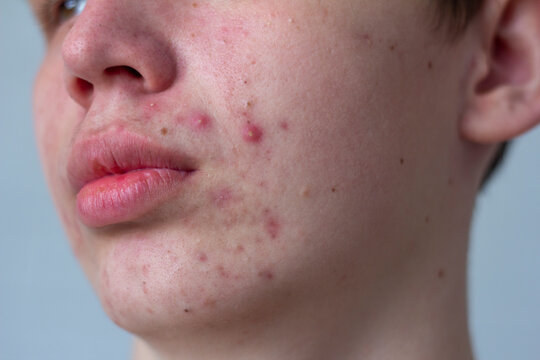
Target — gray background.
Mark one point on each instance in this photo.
(48, 311)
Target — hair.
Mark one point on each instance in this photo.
(458, 14)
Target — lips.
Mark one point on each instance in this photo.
(121, 176)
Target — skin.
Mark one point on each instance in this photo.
(329, 214)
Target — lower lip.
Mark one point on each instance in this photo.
(127, 197)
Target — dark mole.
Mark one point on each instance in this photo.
(427, 219)
(402, 161)
(430, 65)
(441, 274)
(164, 131)
(392, 47)
(186, 310)
(333, 189)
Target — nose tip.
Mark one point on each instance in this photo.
(101, 52)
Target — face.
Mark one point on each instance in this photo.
(215, 161)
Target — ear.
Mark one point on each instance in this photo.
(504, 96)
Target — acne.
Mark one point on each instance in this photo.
(367, 39)
(200, 121)
(144, 288)
(145, 270)
(223, 273)
(284, 125)
(150, 109)
(305, 192)
(266, 274)
(202, 257)
(441, 274)
(430, 65)
(210, 303)
(271, 224)
(402, 161)
(252, 133)
(222, 198)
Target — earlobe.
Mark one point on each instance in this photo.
(505, 97)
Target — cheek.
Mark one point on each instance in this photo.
(55, 116)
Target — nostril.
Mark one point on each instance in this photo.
(123, 70)
(84, 87)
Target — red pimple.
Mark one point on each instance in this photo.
(202, 257)
(222, 272)
(266, 274)
(252, 133)
(200, 121)
(145, 289)
(271, 224)
(222, 197)
(210, 302)
(284, 125)
(441, 274)
(145, 270)
(239, 249)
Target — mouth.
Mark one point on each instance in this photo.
(121, 176)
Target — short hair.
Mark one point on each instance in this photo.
(458, 14)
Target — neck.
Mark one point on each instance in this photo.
(417, 311)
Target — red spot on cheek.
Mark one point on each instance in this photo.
(222, 197)
(145, 270)
(202, 257)
(149, 109)
(252, 133)
(222, 272)
(200, 121)
(266, 274)
(284, 125)
(271, 224)
(145, 289)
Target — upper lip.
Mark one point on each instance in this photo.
(119, 152)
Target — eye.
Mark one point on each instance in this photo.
(69, 9)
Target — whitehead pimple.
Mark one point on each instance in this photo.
(200, 121)
(252, 133)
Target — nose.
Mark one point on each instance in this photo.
(112, 44)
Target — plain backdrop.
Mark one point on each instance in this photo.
(48, 311)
